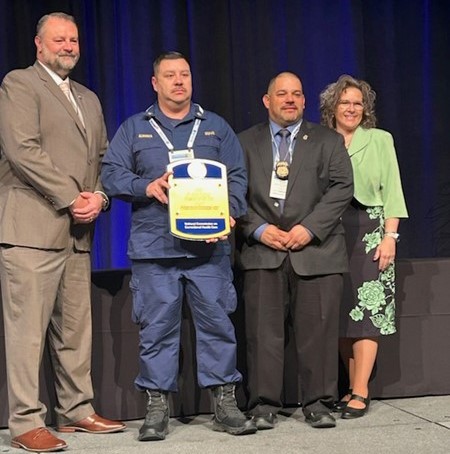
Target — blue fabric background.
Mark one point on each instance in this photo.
(400, 46)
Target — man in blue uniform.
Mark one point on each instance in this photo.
(165, 269)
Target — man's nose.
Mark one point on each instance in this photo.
(68, 46)
(289, 97)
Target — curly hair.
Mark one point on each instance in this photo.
(330, 97)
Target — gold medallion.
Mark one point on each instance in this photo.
(282, 170)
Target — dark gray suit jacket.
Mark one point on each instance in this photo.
(319, 190)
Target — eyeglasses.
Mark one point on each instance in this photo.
(347, 104)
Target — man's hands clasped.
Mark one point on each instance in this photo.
(295, 239)
(86, 207)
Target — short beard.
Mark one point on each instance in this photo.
(57, 63)
(66, 65)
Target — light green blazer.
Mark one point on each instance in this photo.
(376, 173)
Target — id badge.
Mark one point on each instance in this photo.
(278, 188)
(177, 155)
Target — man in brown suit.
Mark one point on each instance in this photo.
(51, 148)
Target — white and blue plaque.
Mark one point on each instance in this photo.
(198, 199)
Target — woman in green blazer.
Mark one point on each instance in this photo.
(371, 224)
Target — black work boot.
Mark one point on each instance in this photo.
(156, 424)
(227, 416)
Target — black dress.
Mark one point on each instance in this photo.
(368, 305)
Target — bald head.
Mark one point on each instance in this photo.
(284, 99)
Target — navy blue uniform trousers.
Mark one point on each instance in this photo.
(159, 287)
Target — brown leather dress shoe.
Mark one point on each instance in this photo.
(93, 424)
(38, 440)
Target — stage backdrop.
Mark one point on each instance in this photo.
(235, 46)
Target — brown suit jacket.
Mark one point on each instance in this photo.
(47, 158)
(320, 188)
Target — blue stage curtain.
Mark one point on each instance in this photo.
(235, 46)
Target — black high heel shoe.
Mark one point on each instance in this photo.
(340, 405)
(352, 413)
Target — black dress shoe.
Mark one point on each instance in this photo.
(340, 405)
(320, 420)
(352, 413)
(265, 422)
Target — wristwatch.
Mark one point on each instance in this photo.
(105, 201)
(394, 235)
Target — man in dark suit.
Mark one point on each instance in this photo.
(293, 253)
(50, 194)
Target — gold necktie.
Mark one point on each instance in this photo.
(64, 85)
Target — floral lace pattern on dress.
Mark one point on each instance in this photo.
(377, 298)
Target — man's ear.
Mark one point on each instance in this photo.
(154, 83)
